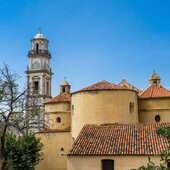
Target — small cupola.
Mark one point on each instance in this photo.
(154, 80)
(39, 44)
(65, 87)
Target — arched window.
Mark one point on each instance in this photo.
(155, 83)
(64, 89)
(47, 88)
(107, 164)
(157, 118)
(58, 120)
(37, 48)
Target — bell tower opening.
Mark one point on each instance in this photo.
(154, 80)
(37, 48)
(65, 87)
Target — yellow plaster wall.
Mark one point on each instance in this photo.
(103, 107)
(149, 108)
(53, 142)
(51, 120)
(58, 106)
(95, 162)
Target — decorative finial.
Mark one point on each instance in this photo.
(154, 71)
(40, 30)
(65, 78)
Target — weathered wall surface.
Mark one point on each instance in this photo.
(95, 162)
(149, 108)
(53, 142)
(103, 107)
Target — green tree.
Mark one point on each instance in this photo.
(14, 111)
(26, 153)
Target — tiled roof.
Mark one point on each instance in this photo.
(103, 85)
(139, 139)
(60, 98)
(154, 92)
(53, 130)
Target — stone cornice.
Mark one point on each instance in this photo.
(39, 71)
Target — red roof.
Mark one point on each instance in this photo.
(103, 85)
(63, 97)
(154, 92)
(130, 139)
(53, 130)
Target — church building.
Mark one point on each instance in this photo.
(101, 127)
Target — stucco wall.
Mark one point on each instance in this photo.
(95, 162)
(149, 108)
(58, 106)
(53, 142)
(52, 123)
(103, 107)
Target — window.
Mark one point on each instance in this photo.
(155, 83)
(36, 88)
(107, 164)
(37, 48)
(157, 118)
(47, 88)
(64, 89)
(131, 107)
(58, 119)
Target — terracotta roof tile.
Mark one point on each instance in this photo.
(53, 130)
(154, 92)
(60, 98)
(138, 139)
(103, 85)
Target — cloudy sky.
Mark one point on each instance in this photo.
(90, 40)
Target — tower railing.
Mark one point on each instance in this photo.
(39, 52)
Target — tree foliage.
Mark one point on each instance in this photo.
(15, 115)
(26, 153)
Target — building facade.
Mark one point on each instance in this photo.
(103, 126)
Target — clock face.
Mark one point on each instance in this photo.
(36, 65)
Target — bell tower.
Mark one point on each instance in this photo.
(38, 72)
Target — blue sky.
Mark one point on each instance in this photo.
(90, 40)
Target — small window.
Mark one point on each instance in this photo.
(131, 107)
(64, 89)
(37, 48)
(58, 119)
(36, 87)
(47, 88)
(155, 83)
(157, 118)
(107, 164)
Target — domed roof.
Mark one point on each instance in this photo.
(155, 92)
(65, 83)
(154, 76)
(59, 98)
(103, 85)
(39, 36)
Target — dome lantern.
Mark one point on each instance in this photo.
(154, 80)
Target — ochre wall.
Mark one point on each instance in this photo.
(51, 120)
(120, 162)
(149, 108)
(58, 106)
(57, 110)
(103, 107)
(53, 142)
